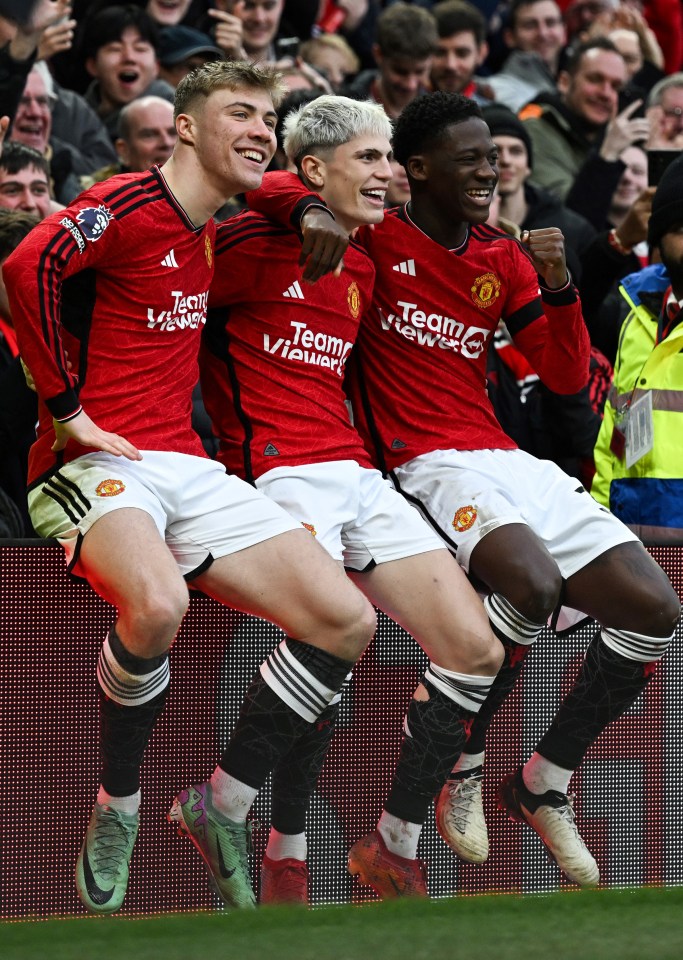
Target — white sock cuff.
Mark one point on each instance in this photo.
(635, 646)
(129, 689)
(510, 622)
(464, 689)
(295, 685)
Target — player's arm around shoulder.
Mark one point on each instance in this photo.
(283, 197)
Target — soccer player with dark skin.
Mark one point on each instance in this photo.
(272, 362)
(120, 477)
(528, 532)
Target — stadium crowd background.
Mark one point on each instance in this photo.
(577, 95)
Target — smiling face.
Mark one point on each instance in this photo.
(402, 79)
(168, 12)
(458, 174)
(538, 27)
(352, 179)
(455, 61)
(26, 190)
(513, 163)
(592, 92)
(33, 120)
(260, 24)
(233, 134)
(151, 134)
(632, 181)
(124, 69)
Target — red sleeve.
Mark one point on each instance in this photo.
(284, 198)
(64, 244)
(556, 344)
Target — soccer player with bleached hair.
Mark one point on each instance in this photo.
(120, 280)
(530, 533)
(273, 360)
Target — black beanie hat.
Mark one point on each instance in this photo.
(667, 203)
(502, 121)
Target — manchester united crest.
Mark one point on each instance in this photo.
(311, 529)
(353, 300)
(485, 290)
(464, 518)
(208, 251)
(110, 488)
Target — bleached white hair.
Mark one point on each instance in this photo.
(328, 122)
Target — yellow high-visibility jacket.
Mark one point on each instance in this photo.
(648, 496)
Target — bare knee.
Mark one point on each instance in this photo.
(348, 629)
(149, 627)
(485, 655)
(656, 612)
(359, 630)
(534, 591)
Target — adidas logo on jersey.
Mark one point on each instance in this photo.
(270, 450)
(406, 266)
(169, 260)
(295, 292)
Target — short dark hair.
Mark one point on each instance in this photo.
(107, 26)
(406, 31)
(458, 16)
(423, 122)
(17, 156)
(14, 226)
(516, 6)
(579, 52)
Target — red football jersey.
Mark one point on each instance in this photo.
(120, 280)
(274, 351)
(418, 376)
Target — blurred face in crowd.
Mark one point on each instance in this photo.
(672, 108)
(398, 191)
(151, 135)
(633, 180)
(402, 78)
(628, 45)
(334, 63)
(168, 12)
(592, 92)
(174, 73)
(124, 68)
(455, 61)
(26, 190)
(539, 27)
(580, 14)
(33, 120)
(260, 23)
(513, 164)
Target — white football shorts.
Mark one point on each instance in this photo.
(355, 513)
(465, 494)
(201, 512)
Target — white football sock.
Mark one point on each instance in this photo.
(400, 836)
(540, 775)
(231, 797)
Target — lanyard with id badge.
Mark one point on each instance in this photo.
(633, 433)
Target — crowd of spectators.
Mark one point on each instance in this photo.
(579, 96)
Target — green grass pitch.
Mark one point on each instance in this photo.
(643, 924)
